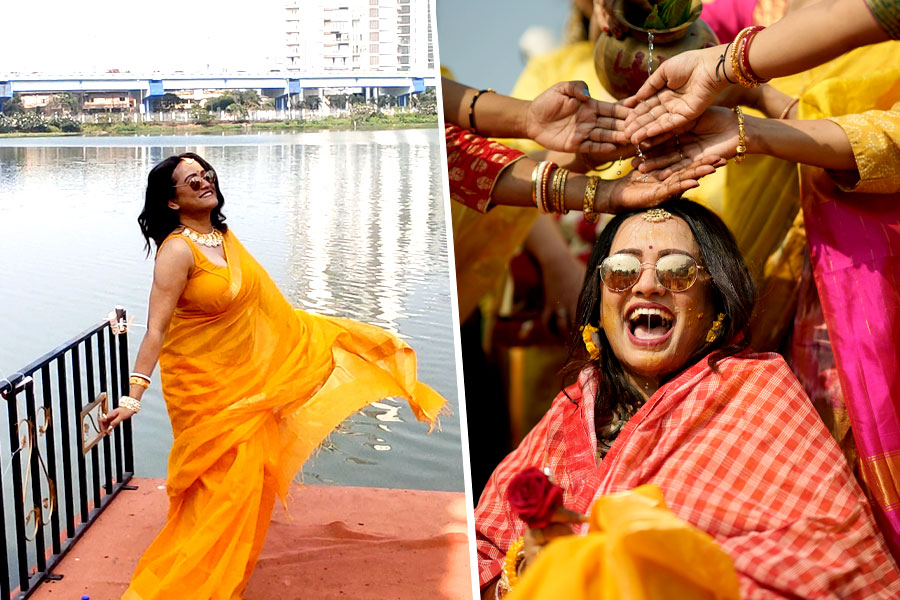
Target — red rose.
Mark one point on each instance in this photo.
(533, 497)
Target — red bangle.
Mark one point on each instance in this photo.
(545, 186)
(745, 55)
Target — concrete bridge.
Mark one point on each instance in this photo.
(275, 84)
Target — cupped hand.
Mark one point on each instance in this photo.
(714, 136)
(675, 95)
(110, 420)
(565, 118)
(642, 190)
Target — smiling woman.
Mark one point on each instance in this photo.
(251, 385)
(666, 393)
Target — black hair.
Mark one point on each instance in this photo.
(733, 294)
(157, 220)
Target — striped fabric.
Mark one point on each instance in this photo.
(740, 454)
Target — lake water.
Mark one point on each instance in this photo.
(347, 223)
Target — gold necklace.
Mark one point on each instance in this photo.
(212, 239)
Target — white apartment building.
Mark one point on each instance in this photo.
(359, 35)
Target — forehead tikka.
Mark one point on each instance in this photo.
(657, 215)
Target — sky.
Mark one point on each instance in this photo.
(61, 36)
(479, 39)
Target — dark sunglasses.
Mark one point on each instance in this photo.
(675, 272)
(196, 181)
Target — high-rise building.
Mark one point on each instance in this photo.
(324, 36)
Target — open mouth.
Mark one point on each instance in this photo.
(649, 326)
(206, 193)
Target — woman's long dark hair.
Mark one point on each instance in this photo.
(733, 294)
(157, 220)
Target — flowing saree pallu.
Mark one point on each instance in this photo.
(740, 454)
(635, 549)
(854, 242)
(252, 386)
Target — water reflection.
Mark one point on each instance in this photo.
(347, 223)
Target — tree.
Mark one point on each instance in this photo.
(13, 106)
(65, 103)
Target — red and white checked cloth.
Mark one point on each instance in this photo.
(740, 454)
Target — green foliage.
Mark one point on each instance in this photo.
(13, 105)
(65, 103)
(200, 115)
(668, 14)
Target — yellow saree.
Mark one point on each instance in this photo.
(252, 386)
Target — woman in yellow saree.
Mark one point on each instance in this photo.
(252, 386)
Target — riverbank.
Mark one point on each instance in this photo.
(370, 123)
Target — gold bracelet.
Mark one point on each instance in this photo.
(563, 179)
(534, 188)
(138, 381)
(590, 191)
(132, 404)
(742, 140)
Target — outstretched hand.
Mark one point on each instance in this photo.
(714, 136)
(674, 96)
(565, 118)
(643, 190)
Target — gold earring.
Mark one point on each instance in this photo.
(716, 328)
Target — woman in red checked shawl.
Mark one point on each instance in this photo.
(671, 395)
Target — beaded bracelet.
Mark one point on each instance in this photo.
(742, 140)
(590, 192)
(132, 404)
(472, 107)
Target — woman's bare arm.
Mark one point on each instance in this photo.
(170, 275)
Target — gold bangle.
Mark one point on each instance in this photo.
(742, 140)
(138, 381)
(563, 179)
(787, 109)
(590, 191)
(132, 404)
(534, 179)
(736, 60)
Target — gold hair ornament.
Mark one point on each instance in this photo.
(657, 215)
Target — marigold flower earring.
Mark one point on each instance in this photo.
(591, 338)
(716, 328)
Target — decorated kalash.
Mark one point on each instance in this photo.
(685, 457)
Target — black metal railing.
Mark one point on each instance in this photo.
(56, 449)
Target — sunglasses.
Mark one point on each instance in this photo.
(196, 181)
(675, 272)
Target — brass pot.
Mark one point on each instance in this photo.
(621, 65)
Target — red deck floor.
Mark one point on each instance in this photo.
(337, 542)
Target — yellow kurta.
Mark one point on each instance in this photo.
(252, 386)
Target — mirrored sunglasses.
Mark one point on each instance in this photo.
(675, 272)
(196, 181)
